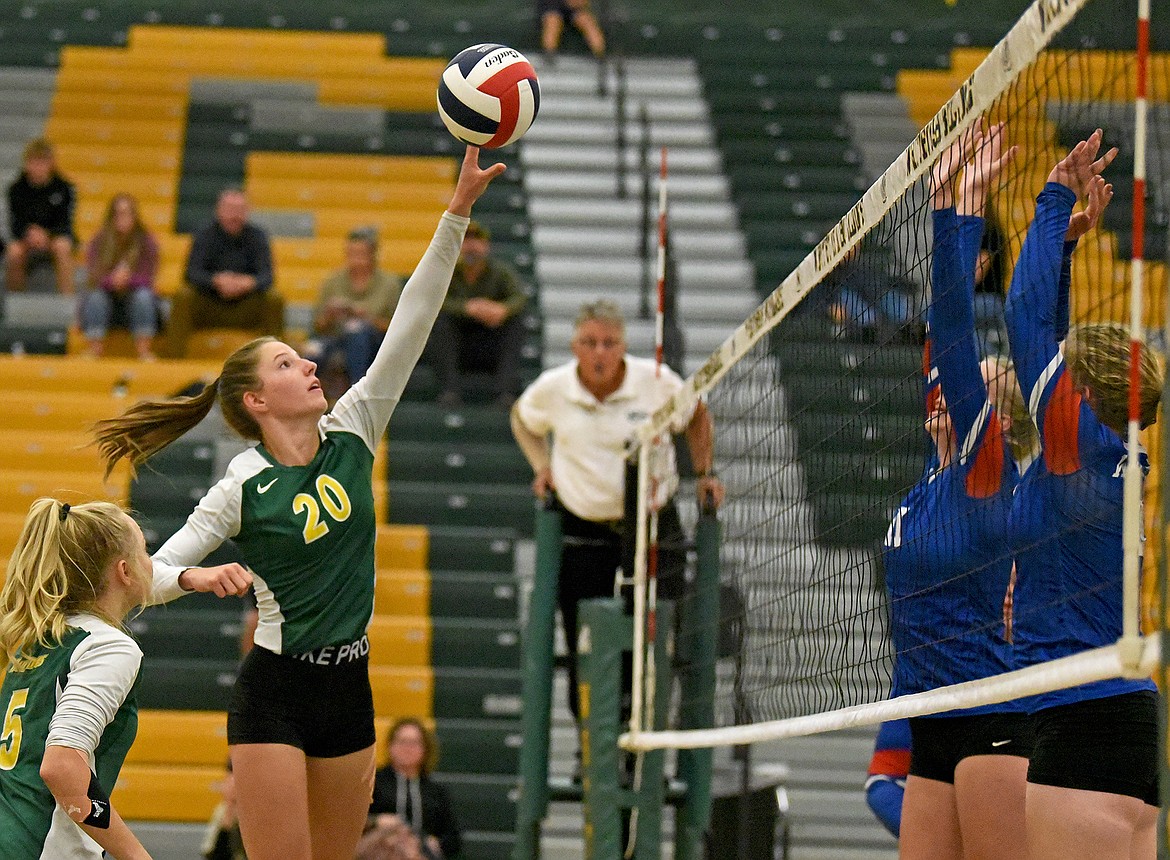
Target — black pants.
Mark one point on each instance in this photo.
(590, 557)
(460, 343)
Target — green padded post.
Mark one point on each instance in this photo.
(652, 796)
(537, 690)
(604, 632)
(699, 636)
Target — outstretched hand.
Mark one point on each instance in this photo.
(1100, 193)
(987, 162)
(950, 162)
(1077, 169)
(473, 181)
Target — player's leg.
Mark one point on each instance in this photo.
(340, 791)
(930, 821)
(1076, 824)
(551, 27)
(273, 801)
(1145, 837)
(585, 21)
(990, 798)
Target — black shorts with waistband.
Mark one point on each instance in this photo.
(1108, 744)
(938, 744)
(319, 702)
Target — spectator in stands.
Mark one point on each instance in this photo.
(588, 408)
(40, 216)
(121, 265)
(481, 326)
(886, 782)
(1092, 788)
(404, 793)
(352, 313)
(75, 574)
(229, 279)
(553, 15)
(299, 508)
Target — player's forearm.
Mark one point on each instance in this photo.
(700, 434)
(66, 773)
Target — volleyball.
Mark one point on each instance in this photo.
(488, 95)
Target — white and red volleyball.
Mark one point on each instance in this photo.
(488, 95)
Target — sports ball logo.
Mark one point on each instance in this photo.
(488, 95)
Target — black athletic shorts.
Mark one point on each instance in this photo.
(938, 744)
(319, 702)
(1108, 745)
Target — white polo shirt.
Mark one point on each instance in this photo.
(589, 436)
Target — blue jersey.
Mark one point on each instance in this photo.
(946, 558)
(1066, 522)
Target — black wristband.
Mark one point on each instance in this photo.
(99, 814)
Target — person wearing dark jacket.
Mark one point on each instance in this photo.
(229, 279)
(404, 793)
(40, 216)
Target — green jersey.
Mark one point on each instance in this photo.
(307, 532)
(77, 694)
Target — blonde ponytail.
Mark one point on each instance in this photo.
(58, 567)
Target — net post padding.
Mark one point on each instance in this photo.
(1042, 21)
(1097, 664)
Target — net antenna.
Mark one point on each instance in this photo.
(1130, 644)
(1019, 52)
(646, 551)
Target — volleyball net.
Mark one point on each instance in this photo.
(818, 398)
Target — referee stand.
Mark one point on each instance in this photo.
(605, 633)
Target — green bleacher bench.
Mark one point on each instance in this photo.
(481, 550)
(183, 456)
(819, 432)
(473, 595)
(889, 473)
(793, 150)
(186, 684)
(476, 694)
(772, 177)
(882, 395)
(484, 845)
(173, 631)
(453, 462)
(479, 746)
(482, 801)
(813, 205)
(33, 340)
(851, 519)
(428, 422)
(481, 505)
(804, 357)
(472, 643)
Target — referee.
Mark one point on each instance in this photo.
(573, 424)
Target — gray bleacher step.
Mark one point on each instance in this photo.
(38, 309)
(20, 78)
(285, 115)
(628, 213)
(237, 90)
(16, 127)
(700, 336)
(580, 184)
(838, 852)
(645, 79)
(294, 223)
(604, 132)
(616, 242)
(556, 105)
(693, 303)
(22, 103)
(627, 274)
(681, 160)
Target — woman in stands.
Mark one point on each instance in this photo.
(1092, 782)
(68, 696)
(121, 265)
(300, 507)
(946, 557)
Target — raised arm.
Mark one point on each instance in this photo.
(1034, 307)
(365, 409)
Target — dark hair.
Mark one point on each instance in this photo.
(151, 425)
(430, 745)
(475, 230)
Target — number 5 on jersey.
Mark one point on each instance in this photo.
(12, 732)
(333, 498)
